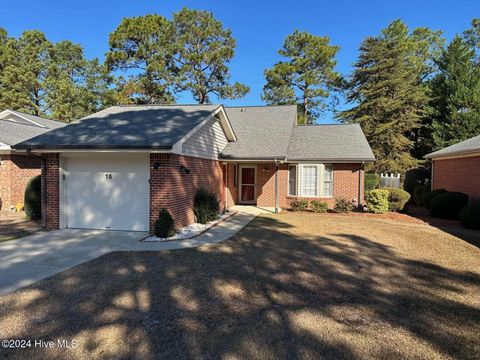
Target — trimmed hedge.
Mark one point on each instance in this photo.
(397, 199)
(371, 181)
(319, 206)
(33, 198)
(299, 205)
(470, 216)
(414, 178)
(419, 192)
(428, 197)
(164, 225)
(342, 205)
(205, 206)
(448, 205)
(377, 201)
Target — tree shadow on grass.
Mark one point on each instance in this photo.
(266, 293)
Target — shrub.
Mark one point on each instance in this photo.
(342, 205)
(419, 192)
(448, 205)
(428, 197)
(33, 198)
(371, 181)
(299, 205)
(470, 216)
(205, 206)
(377, 201)
(414, 178)
(397, 198)
(164, 225)
(319, 206)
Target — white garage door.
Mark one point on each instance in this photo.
(108, 191)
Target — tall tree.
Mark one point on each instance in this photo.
(305, 77)
(390, 93)
(55, 80)
(27, 60)
(388, 99)
(204, 49)
(143, 48)
(456, 95)
(161, 58)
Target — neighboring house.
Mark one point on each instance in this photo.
(117, 168)
(457, 168)
(17, 169)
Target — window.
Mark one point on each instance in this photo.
(314, 180)
(292, 180)
(328, 180)
(309, 180)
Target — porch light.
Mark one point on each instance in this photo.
(184, 170)
(156, 165)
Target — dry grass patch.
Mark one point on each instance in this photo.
(287, 286)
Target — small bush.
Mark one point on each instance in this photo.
(319, 206)
(397, 199)
(164, 225)
(205, 206)
(419, 192)
(33, 198)
(342, 205)
(299, 205)
(377, 201)
(470, 216)
(371, 181)
(448, 205)
(414, 178)
(428, 197)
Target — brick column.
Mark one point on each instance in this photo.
(51, 198)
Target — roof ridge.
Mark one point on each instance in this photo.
(152, 105)
(258, 106)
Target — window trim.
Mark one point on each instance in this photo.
(320, 180)
(296, 180)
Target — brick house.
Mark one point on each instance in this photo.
(117, 168)
(16, 169)
(457, 168)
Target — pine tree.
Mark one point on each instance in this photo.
(456, 95)
(306, 77)
(389, 101)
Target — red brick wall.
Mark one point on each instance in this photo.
(15, 172)
(50, 182)
(458, 174)
(345, 184)
(174, 190)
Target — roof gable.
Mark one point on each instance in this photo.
(126, 127)
(464, 147)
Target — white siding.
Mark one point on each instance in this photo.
(207, 142)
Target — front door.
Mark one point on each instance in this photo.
(247, 184)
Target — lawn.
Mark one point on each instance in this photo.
(287, 286)
(14, 226)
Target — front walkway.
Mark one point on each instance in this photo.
(32, 258)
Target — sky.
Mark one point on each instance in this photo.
(259, 27)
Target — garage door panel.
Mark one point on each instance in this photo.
(109, 193)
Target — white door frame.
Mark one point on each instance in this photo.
(240, 183)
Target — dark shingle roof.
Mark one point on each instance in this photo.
(329, 142)
(12, 133)
(263, 132)
(125, 127)
(467, 146)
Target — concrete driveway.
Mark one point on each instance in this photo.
(29, 259)
(32, 258)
